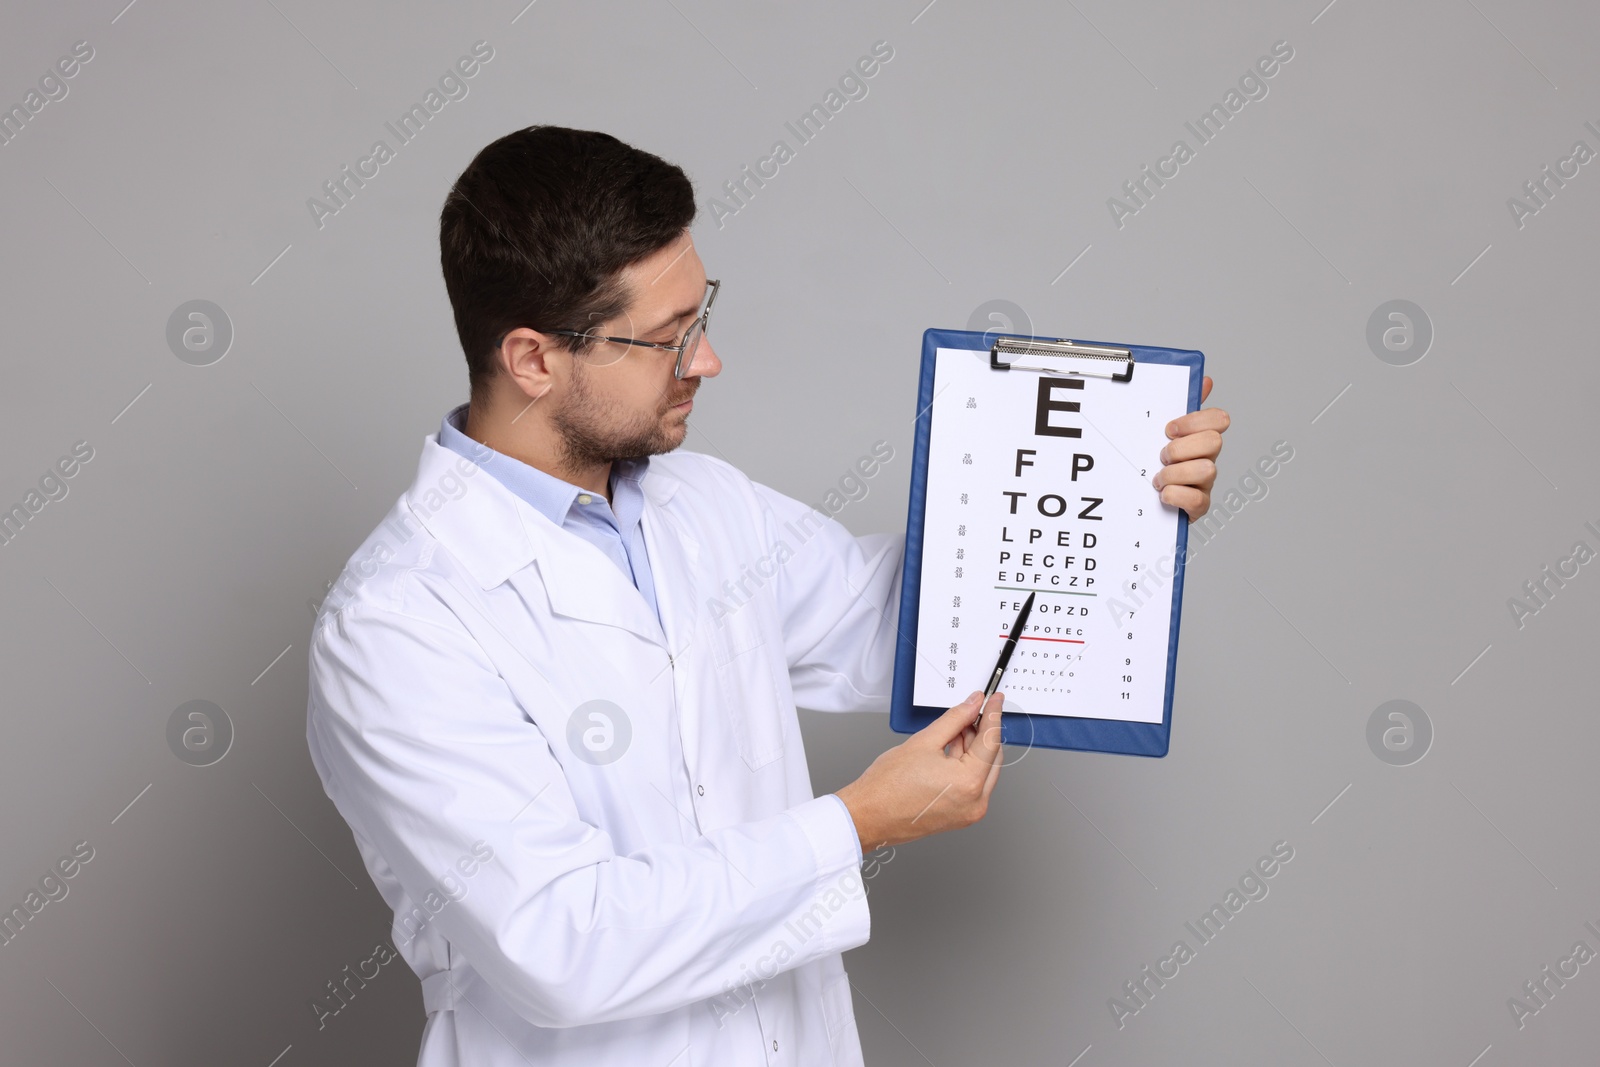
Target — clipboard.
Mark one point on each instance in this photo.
(999, 369)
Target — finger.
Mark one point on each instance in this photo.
(1201, 473)
(1194, 501)
(967, 736)
(990, 778)
(947, 727)
(1205, 388)
(993, 774)
(1195, 421)
(986, 745)
(1207, 443)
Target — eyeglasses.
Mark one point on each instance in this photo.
(685, 349)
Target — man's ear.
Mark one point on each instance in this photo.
(530, 360)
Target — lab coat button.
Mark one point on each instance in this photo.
(700, 789)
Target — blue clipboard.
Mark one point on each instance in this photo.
(1020, 728)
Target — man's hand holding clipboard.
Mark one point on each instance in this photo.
(1190, 458)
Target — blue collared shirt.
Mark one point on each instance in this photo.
(611, 526)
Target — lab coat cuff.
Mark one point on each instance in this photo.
(851, 822)
(839, 887)
(831, 833)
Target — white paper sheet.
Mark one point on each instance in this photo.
(1076, 519)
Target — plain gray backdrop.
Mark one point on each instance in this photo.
(186, 558)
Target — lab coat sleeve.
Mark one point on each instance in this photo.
(425, 751)
(838, 603)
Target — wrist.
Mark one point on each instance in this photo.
(869, 833)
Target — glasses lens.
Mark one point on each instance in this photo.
(691, 341)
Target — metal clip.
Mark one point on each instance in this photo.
(1095, 361)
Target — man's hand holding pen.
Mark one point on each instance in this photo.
(941, 777)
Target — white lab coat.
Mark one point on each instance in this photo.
(685, 903)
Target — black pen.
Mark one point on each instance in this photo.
(1005, 652)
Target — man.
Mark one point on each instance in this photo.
(572, 772)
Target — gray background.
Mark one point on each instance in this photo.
(977, 168)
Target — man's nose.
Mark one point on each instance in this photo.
(706, 363)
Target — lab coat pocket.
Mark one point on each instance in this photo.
(843, 1041)
(749, 694)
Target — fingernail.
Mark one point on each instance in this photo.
(977, 694)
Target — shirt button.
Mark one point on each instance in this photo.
(774, 1044)
(700, 789)
(585, 498)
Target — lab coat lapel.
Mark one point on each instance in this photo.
(674, 560)
(496, 535)
(580, 582)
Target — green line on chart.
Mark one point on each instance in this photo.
(1057, 592)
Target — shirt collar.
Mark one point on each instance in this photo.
(544, 492)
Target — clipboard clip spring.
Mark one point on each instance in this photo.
(1064, 357)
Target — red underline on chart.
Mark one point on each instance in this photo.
(1031, 589)
(1063, 640)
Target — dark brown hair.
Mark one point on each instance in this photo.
(537, 229)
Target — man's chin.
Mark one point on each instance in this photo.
(669, 437)
(674, 435)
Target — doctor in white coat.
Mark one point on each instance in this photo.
(553, 693)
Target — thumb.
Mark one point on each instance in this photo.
(947, 727)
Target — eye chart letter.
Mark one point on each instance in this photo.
(1041, 483)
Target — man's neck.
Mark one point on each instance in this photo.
(533, 443)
